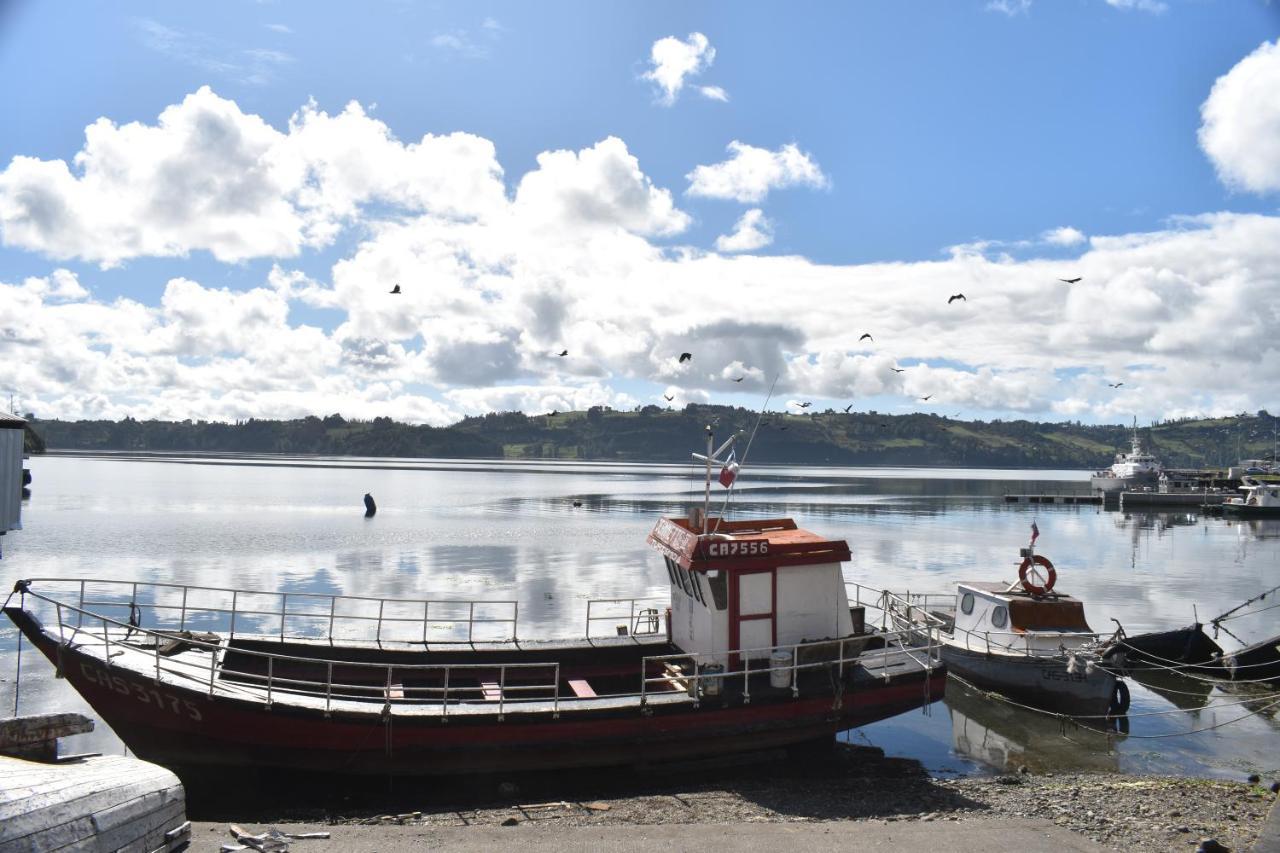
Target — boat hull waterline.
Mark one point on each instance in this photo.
(1038, 682)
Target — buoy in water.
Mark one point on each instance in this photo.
(370, 508)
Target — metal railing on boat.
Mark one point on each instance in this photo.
(276, 674)
(643, 616)
(177, 607)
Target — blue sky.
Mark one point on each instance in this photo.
(933, 125)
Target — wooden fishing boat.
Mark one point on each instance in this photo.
(760, 649)
(1256, 662)
(1180, 648)
(1024, 640)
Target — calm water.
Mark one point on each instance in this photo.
(510, 531)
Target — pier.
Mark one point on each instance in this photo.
(1057, 498)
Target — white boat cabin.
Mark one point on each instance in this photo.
(1258, 495)
(750, 586)
(990, 616)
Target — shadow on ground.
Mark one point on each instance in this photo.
(824, 782)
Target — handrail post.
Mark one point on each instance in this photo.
(284, 609)
(328, 687)
(631, 620)
(234, 594)
(271, 666)
(445, 699)
(471, 626)
(333, 604)
(213, 664)
(746, 680)
(426, 619)
(644, 682)
(502, 690)
(795, 672)
(515, 629)
(388, 691)
(555, 701)
(382, 603)
(80, 616)
(182, 624)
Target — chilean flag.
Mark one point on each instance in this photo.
(729, 472)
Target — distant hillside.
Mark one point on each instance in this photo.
(666, 435)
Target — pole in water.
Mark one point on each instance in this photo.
(370, 508)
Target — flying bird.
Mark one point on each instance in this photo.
(1070, 280)
(740, 378)
(668, 397)
(806, 404)
(926, 399)
(1114, 385)
(956, 296)
(563, 353)
(867, 336)
(685, 356)
(395, 289)
(847, 408)
(898, 369)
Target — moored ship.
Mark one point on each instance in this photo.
(760, 649)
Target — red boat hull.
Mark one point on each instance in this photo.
(181, 728)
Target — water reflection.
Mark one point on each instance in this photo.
(1005, 738)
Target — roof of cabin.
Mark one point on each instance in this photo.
(8, 421)
(738, 544)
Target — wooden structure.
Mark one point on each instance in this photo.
(82, 803)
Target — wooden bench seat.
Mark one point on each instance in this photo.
(581, 688)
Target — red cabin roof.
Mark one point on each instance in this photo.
(751, 544)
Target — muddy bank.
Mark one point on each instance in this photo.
(1138, 813)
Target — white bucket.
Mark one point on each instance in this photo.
(780, 677)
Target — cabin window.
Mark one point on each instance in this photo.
(999, 617)
(684, 580)
(719, 585)
(966, 603)
(697, 588)
(671, 571)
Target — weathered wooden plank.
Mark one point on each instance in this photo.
(111, 801)
(41, 728)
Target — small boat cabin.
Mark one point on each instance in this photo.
(1014, 620)
(751, 586)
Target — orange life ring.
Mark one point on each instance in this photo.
(1049, 581)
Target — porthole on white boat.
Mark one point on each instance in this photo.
(999, 617)
(966, 603)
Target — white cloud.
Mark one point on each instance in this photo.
(283, 29)
(750, 173)
(1240, 122)
(248, 66)
(1012, 8)
(672, 61)
(1153, 6)
(494, 284)
(601, 185)
(1063, 236)
(209, 177)
(751, 231)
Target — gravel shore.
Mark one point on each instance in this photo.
(1120, 812)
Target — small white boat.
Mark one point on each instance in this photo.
(1260, 500)
(1024, 640)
